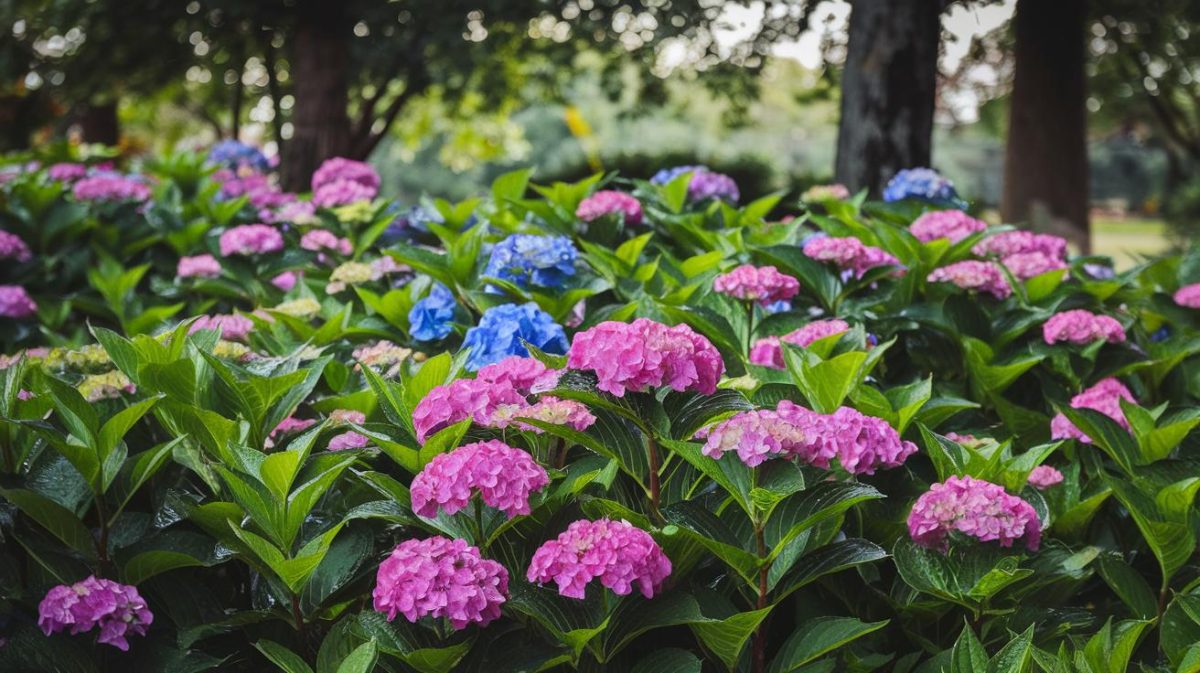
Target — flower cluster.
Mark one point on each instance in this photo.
(109, 385)
(646, 354)
(505, 329)
(768, 351)
(256, 187)
(666, 175)
(610, 202)
(432, 317)
(548, 409)
(342, 193)
(1080, 326)
(817, 193)
(250, 239)
(756, 436)
(504, 384)
(862, 444)
(504, 477)
(1043, 477)
(974, 275)
(112, 187)
(763, 284)
(849, 254)
(708, 185)
(304, 307)
(12, 247)
(1188, 296)
(954, 225)
(382, 356)
(15, 302)
(233, 155)
(198, 266)
(1019, 242)
(1104, 397)
(923, 184)
(614, 551)
(1026, 265)
(347, 170)
(232, 327)
(972, 507)
(295, 212)
(438, 577)
(116, 608)
(321, 240)
(530, 260)
(66, 172)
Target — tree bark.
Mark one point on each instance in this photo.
(888, 91)
(99, 124)
(320, 70)
(1046, 160)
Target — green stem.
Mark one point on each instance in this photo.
(749, 328)
(759, 653)
(479, 525)
(652, 450)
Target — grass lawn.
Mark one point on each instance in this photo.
(1126, 239)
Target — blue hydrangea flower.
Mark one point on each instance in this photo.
(233, 155)
(666, 175)
(431, 318)
(502, 329)
(526, 259)
(922, 184)
(778, 306)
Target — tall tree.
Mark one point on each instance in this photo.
(1046, 162)
(889, 86)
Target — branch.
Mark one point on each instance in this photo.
(364, 145)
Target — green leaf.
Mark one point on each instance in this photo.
(727, 637)
(728, 472)
(1015, 656)
(968, 655)
(669, 660)
(571, 622)
(825, 383)
(150, 563)
(58, 520)
(994, 378)
(287, 660)
(361, 660)
(831, 558)
(817, 637)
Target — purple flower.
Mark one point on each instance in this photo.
(1043, 477)
(504, 477)
(1188, 296)
(764, 284)
(1020, 242)
(438, 577)
(117, 609)
(768, 351)
(12, 247)
(251, 239)
(348, 440)
(339, 168)
(285, 281)
(198, 266)
(1082, 327)
(708, 185)
(66, 172)
(321, 240)
(460, 400)
(610, 202)
(862, 444)
(616, 552)
(954, 225)
(975, 508)
(849, 254)
(1104, 397)
(756, 436)
(15, 302)
(1026, 265)
(341, 193)
(231, 327)
(110, 187)
(974, 275)
(646, 354)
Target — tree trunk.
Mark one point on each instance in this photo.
(99, 124)
(320, 71)
(1046, 160)
(888, 90)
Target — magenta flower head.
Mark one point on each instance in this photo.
(12, 247)
(1104, 397)
(285, 281)
(764, 284)
(975, 508)
(460, 400)
(615, 551)
(645, 354)
(1081, 327)
(756, 436)
(954, 225)
(438, 577)
(341, 193)
(504, 477)
(974, 275)
(198, 266)
(110, 187)
(862, 444)
(768, 351)
(1188, 296)
(321, 240)
(116, 608)
(1026, 265)
(251, 239)
(848, 254)
(1020, 242)
(232, 327)
(525, 374)
(15, 302)
(339, 168)
(610, 202)
(66, 172)
(708, 185)
(1043, 477)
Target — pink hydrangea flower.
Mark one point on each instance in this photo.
(862, 444)
(1044, 476)
(756, 436)
(348, 440)
(610, 202)
(615, 551)
(251, 239)
(1081, 327)
(1188, 296)
(848, 254)
(296, 212)
(292, 424)
(954, 225)
(116, 608)
(110, 187)
(12, 247)
(1019, 242)
(1104, 397)
(833, 192)
(976, 508)
(66, 172)
(460, 400)
(504, 477)
(548, 410)
(645, 354)
(974, 275)
(1026, 265)
(15, 302)
(438, 577)
(526, 375)
(340, 168)
(198, 266)
(768, 351)
(285, 281)
(764, 284)
(321, 240)
(258, 189)
(341, 193)
(231, 327)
